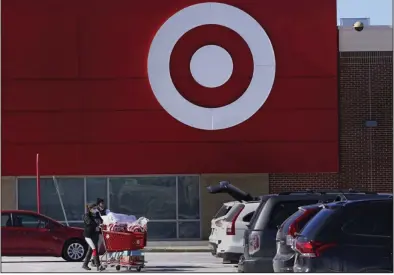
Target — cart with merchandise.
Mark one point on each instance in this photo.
(123, 249)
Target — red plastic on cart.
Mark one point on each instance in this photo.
(121, 241)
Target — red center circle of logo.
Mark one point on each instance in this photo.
(211, 35)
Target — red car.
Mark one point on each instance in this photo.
(27, 233)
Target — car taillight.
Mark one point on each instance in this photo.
(254, 242)
(230, 230)
(312, 249)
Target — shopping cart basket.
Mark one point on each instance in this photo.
(117, 244)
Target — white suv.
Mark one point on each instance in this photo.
(216, 224)
(229, 224)
(230, 233)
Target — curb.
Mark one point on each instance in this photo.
(177, 249)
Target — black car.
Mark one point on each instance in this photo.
(284, 258)
(260, 244)
(347, 236)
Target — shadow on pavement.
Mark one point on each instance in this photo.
(163, 270)
(34, 262)
(158, 269)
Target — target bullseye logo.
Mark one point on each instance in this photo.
(211, 66)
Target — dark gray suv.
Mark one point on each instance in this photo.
(260, 238)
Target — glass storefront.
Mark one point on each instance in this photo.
(172, 203)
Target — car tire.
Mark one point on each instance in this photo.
(74, 250)
(230, 259)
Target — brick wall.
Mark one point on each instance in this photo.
(366, 154)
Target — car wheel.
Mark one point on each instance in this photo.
(74, 250)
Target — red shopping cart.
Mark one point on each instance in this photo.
(123, 249)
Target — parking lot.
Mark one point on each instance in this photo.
(157, 262)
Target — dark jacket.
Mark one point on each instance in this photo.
(103, 212)
(91, 225)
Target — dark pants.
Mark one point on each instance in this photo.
(95, 239)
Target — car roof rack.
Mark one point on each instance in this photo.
(356, 196)
(297, 192)
(329, 191)
(346, 191)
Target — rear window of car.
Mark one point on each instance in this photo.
(290, 220)
(222, 211)
(257, 214)
(285, 209)
(234, 211)
(314, 227)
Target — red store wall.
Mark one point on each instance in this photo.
(75, 90)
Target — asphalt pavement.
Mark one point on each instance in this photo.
(156, 262)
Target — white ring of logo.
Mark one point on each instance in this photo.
(211, 118)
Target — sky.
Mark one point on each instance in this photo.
(380, 11)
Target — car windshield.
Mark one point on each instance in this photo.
(222, 211)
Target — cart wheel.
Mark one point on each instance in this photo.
(138, 268)
(117, 267)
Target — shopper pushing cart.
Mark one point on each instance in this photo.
(102, 211)
(91, 234)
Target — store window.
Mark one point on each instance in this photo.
(188, 198)
(71, 191)
(152, 197)
(162, 230)
(96, 188)
(171, 203)
(27, 194)
(189, 230)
